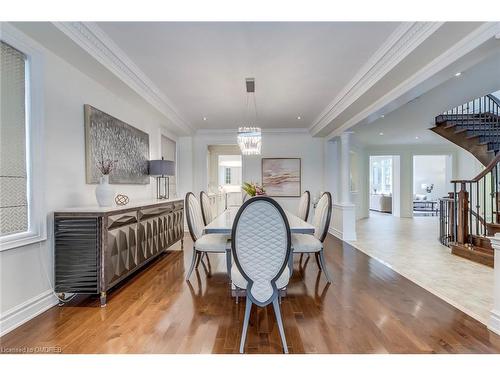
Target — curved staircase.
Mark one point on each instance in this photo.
(471, 213)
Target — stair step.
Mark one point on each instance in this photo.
(473, 253)
(493, 228)
(482, 242)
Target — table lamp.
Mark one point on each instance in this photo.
(162, 170)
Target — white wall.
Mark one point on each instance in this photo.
(26, 273)
(275, 143)
(430, 169)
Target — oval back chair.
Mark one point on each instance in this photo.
(203, 243)
(206, 208)
(304, 204)
(261, 246)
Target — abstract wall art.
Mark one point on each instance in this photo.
(281, 176)
(107, 138)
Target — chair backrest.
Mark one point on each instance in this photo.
(304, 203)
(322, 216)
(194, 216)
(206, 208)
(261, 243)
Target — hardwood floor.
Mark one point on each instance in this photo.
(368, 309)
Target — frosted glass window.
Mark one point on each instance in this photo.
(13, 170)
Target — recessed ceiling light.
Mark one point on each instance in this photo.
(298, 117)
(458, 74)
(204, 119)
(380, 133)
(416, 137)
(382, 116)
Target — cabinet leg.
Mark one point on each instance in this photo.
(61, 297)
(103, 299)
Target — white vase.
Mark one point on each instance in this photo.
(104, 193)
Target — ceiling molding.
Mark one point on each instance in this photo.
(100, 46)
(406, 38)
(264, 131)
(480, 35)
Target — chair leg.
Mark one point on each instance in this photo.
(277, 313)
(248, 308)
(228, 263)
(301, 256)
(323, 266)
(316, 256)
(193, 262)
(290, 263)
(198, 260)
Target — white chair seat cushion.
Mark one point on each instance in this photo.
(305, 243)
(238, 279)
(212, 242)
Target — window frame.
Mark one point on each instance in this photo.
(37, 227)
(227, 173)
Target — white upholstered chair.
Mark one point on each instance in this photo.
(306, 243)
(261, 246)
(203, 243)
(304, 204)
(206, 208)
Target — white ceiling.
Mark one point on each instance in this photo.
(201, 67)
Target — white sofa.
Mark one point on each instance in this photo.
(381, 202)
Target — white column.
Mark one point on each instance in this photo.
(494, 323)
(345, 168)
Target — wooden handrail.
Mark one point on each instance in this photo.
(483, 173)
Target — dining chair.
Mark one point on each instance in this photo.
(304, 204)
(306, 243)
(203, 243)
(261, 246)
(206, 208)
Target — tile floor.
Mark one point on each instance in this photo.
(410, 247)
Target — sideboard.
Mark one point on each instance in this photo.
(97, 247)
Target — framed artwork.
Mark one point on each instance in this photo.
(281, 177)
(106, 137)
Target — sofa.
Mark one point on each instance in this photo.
(381, 202)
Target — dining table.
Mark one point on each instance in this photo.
(223, 224)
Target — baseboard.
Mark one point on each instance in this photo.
(335, 232)
(26, 311)
(494, 322)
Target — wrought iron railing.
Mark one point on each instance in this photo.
(480, 117)
(446, 221)
(472, 208)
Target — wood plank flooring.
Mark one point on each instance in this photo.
(368, 309)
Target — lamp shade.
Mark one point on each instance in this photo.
(161, 168)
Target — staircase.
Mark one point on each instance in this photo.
(470, 214)
(474, 126)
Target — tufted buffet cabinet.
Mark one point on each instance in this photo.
(97, 247)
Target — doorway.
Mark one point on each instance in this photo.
(431, 176)
(381, 184)
(225, 171)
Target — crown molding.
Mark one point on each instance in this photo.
(473, 40)
(264, 131)
(92, 39)
(406, 38)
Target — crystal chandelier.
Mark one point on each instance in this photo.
(249, 140)
(250, 137)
